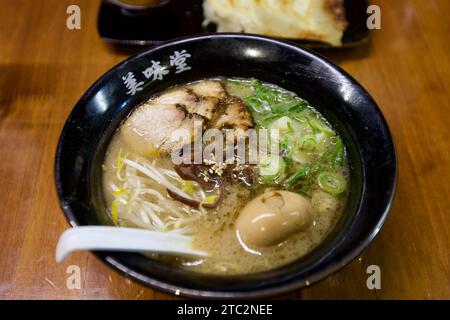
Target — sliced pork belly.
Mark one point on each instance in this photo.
(151, 126)
(185, 133)
(208, 88)
(181, 96)
(206, 107)
(201, 98)
(233, 114)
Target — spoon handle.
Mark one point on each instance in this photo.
(102, 238)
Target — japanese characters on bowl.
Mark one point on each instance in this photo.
(178, 60)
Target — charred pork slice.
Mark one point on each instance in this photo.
(181, 96)
(208, 88)
(233, 114)
(201, 98)
(154, 126)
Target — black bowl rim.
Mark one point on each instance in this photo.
(274, 290)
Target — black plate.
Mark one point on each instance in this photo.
(181, 18)
(345, 104)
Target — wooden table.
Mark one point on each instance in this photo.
(44, 69)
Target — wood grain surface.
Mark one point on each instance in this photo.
(45, 68)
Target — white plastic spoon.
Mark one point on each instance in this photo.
(102, 238)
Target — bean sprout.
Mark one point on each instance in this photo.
(141, 200)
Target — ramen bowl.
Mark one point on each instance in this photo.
(335, 94)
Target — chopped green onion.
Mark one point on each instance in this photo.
(339, 152)
(284, 107)
(332, 183)
(239, 83)
(290, 127)
(320, 125)
(303, 172)
(308, 142)
(286, 147)
(265, 120)
(271, 167)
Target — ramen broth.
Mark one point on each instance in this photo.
(304, 186)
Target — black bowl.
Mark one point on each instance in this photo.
(346, 105)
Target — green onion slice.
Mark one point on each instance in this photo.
(321, 126)
(271, 166)
(332, 183)
(308, 142)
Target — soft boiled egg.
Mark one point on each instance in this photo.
(272, 217)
